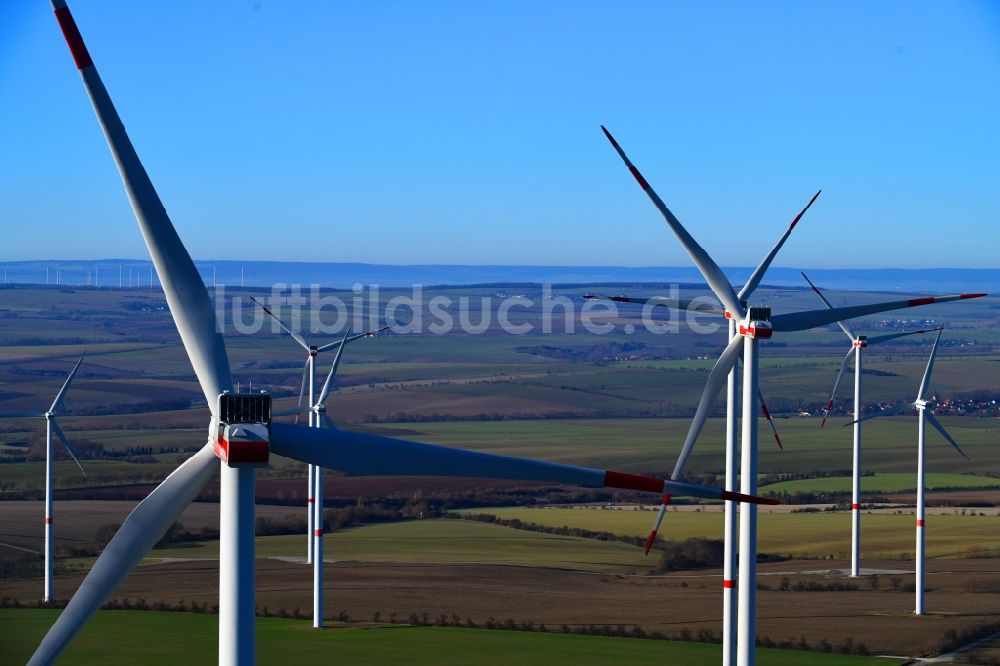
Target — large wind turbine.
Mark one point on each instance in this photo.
(309, 378)
(244, 442)
(52, 426)
(925, 414)
(858, 343)
(751, 325)
(316, 410)
(729, 529)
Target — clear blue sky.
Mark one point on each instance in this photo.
(468, 132)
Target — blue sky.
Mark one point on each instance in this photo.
(468, 132)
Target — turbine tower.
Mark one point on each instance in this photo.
(925, 414)
(241, 434)
(858, 344)
(752, 325)
(52, 426)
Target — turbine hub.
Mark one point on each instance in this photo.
(862, 341)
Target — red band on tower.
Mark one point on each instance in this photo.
(73, 38)
(855, 507)
(318, 533)
(920, 522)
(727, 584)
(48, 520)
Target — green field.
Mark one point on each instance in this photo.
(821, 534)
(884, 483)
(125, 637)
(446, 541)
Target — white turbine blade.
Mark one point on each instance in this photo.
(374, 455)
(944, 433)
(302, 392)
(295, 336)
(801, 321)
(875, 339)
(333, 368)
(713, 386)
(651, 539)
(767, 416)
(366, 334)
(182, 285)
(892, 411)
(65, 387)
(840, 374)
(147, 523)
(21, 415)
(713, 275)
(662, 301)
(754, 281)
(65, 442)
(925, 382)
(843, 325)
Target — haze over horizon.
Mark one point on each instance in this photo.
(469, 134)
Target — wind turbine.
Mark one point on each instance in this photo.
(309, 376)
(751, 325)
(858, 343)
(52, 426)
(925, 414)
(246, 437)
(729, 529)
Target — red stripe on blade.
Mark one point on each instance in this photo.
(632, 482)
(750, 499)
(920, 301)
(650, 540)
(638, 176)
(965, 296)
(73, 38)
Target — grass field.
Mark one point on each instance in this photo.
(123, 637)
(447, 541)
(884, 536)
(884, 483)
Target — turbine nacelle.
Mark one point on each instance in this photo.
(861, 341)
(243, 430)
(757, 324)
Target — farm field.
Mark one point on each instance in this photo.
(443, 541)
(810, 535)
(884, 483)
(105, 640)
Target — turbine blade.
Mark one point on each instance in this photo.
(656, 524)
(944, 433)
(302, 391)
(366, 334)
(186, 294)
(925, 382)
(21, 415)
(65, 442)
(840, 374)
(713, 275)
(374, 455)
(801, 321)
(875, 339)
(333, 369)
(713, 386)
(65, 387)
(767, 416)
(295, 336)
(754, 281)
(138, 534)
(843, 325)
(662, 301)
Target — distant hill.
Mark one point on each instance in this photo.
(344, 275)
